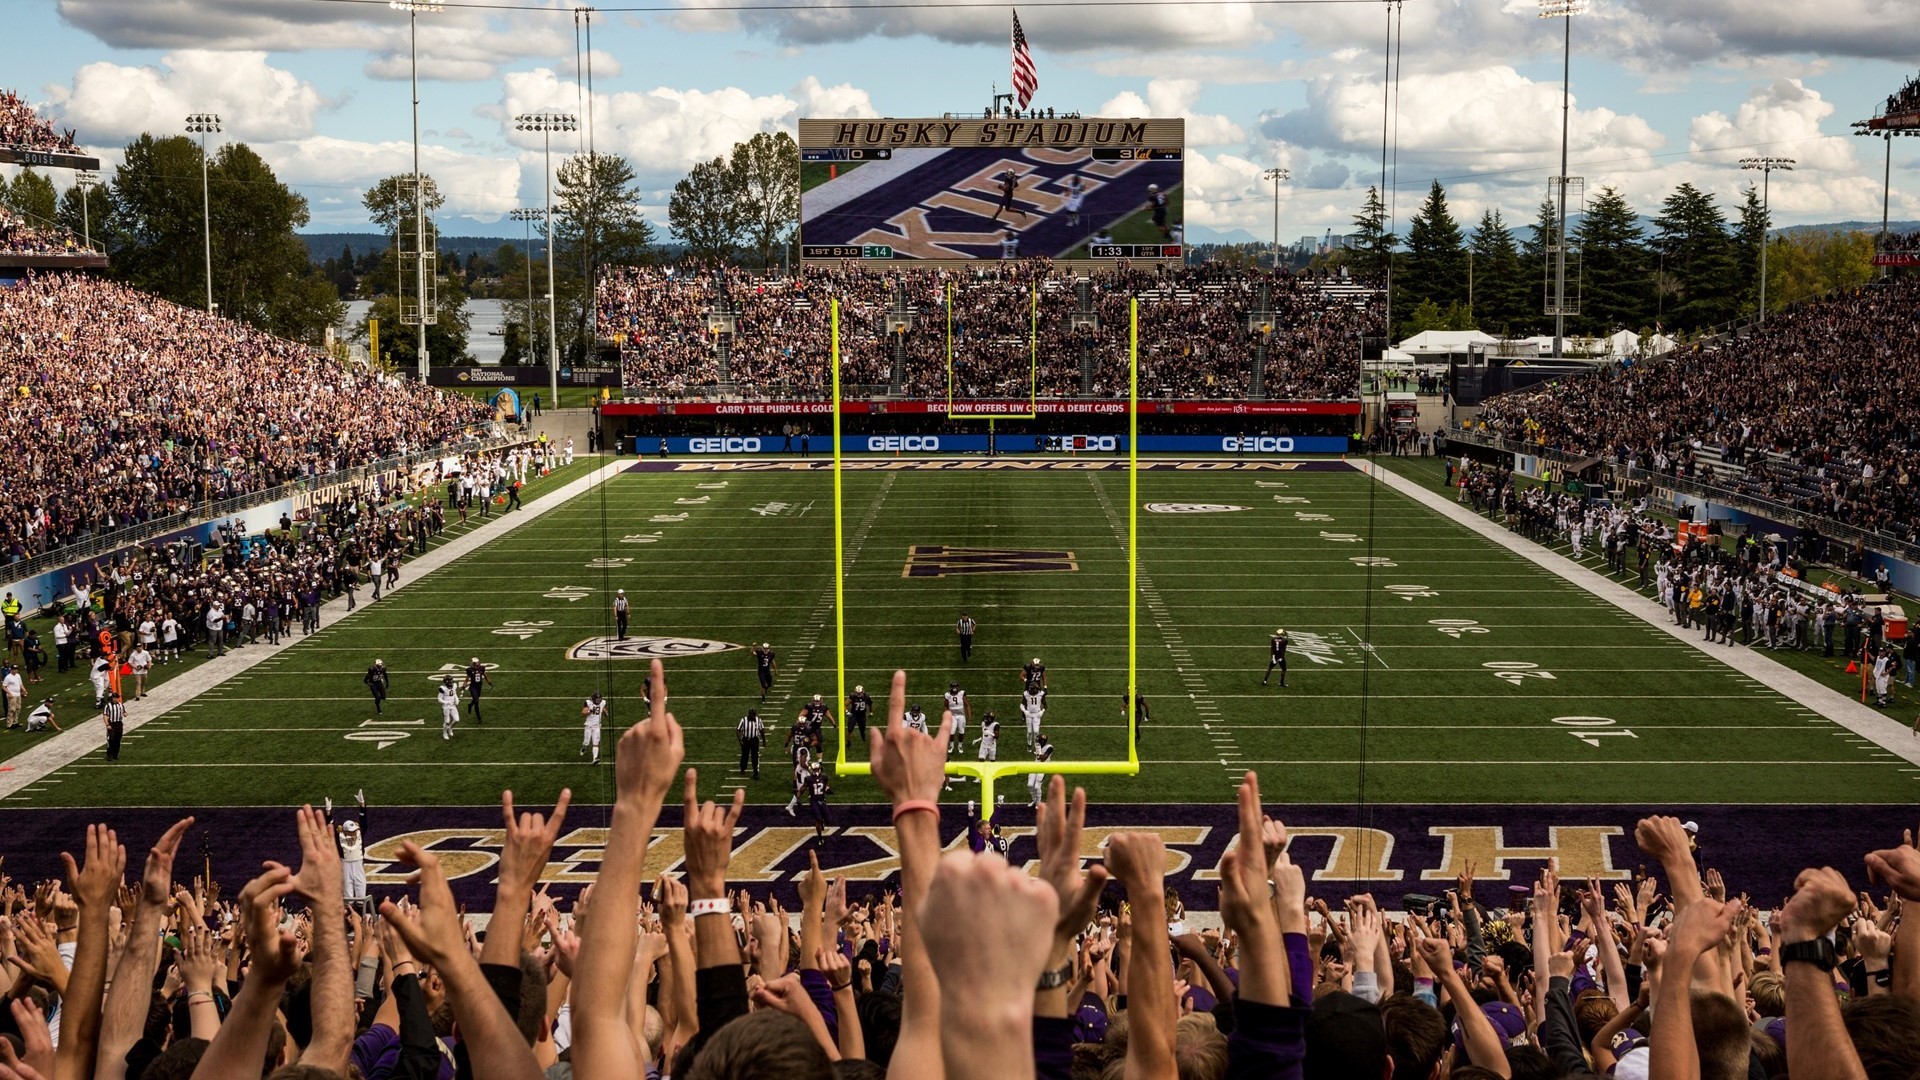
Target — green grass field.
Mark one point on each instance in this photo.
(1486, 680)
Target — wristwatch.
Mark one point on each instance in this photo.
(1053, 980)
(1818, 952)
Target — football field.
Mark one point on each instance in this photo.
(1428, 666)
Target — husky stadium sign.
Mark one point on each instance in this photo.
(1389, 850)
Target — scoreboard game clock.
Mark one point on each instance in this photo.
(954, 191)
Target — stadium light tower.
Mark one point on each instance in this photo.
(86, 180)
(1562, 9)
(1277, 175)
(530, 214)
(546, 123)
(413, 8)
(200, 124)
(1765, 166)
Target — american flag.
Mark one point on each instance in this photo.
(1025, 79)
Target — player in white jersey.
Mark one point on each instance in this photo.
(802, 777)
(593, 712)
(449, 707)
(990, 738)
(916, 718)
(169, 639)
(1033, 707)
(1076, 199)
(566, 455)
(956, 700)
(1037, 782)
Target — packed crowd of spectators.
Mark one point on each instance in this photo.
(22, 127)
(1755, 593)
(170, 600)
(1897, 243)
(973, 970)
(130, 408)
(1814, 411)
(1196, 338)
(20, 237)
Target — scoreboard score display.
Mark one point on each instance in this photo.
(958, 190)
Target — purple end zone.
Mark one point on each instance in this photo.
(978, 464)
(1388, 850)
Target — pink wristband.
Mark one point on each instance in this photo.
(911, 805)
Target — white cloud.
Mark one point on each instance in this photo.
(1066, 28)
(1176, 97)
(472, 185)
(460, 44)
(1492, 118)
(110, 102)
(665, 131)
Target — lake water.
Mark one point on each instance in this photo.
(484, 315)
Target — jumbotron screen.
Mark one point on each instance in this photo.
(991, 189)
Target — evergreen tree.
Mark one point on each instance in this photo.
(1748, 239)
(1616, 278)
(1436, 264)
(1372, 245)
(1502, 289)
(1699, 253)
(1533, 261)
(31, 194)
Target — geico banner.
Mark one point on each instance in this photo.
(1241, 445)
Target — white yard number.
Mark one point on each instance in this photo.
(642, 538)
(666, 519)
(1372, 560)
(715, 486)
(1341, 538)
(1514, 672)
(1588, 728)
(1412, 592)
(521, 629)
(1301, 515)
(382, 737)
(697, 501)
(1292, 500)
(569, 593)
(1456, 628)
(608, 564)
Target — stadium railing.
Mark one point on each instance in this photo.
(1832, 528)
(85, 551)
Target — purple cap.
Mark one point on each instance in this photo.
(1508, 1021)
(1776, 1030)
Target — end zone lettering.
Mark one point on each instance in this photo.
(1250, 444)
(881, 443)
(749, 445)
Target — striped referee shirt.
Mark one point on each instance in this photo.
(115, 712)
(751, 729)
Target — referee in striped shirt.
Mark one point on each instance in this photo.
(752, 731)
(114, 715)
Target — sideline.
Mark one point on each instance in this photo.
(81, 738)
(1870, 724)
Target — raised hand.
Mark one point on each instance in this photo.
(1058, 833)
(909, 766)
(1897, 868)
(649, 754)
(671, 896)
(1821, 898)
(198, 960)
(156, 878)
(708, 838)
(433, 931)
(274, 952)
(319, 878)
(1702, 926)
(97, 882)
(1137, 858)
(529, 840)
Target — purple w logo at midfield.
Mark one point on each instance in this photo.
(938, 560)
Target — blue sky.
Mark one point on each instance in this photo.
(1661, 95)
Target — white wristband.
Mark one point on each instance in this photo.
(716, 905)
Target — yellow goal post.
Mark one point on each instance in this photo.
(988, 772)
